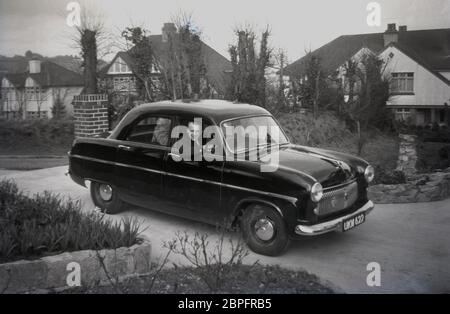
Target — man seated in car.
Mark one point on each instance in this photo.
(195, 131)
(162, 132)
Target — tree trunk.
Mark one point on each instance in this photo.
(89, 48)
(316, 98)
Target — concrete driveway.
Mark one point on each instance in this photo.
(411, 242)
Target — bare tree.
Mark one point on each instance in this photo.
(280, 62)
(93, 40)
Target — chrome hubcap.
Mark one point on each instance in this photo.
(264, 229)
(105, 192)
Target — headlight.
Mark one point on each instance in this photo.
(369, 174)
(316, 192)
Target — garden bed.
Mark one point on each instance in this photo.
(42, 225)
(239, 279)
(41, 236)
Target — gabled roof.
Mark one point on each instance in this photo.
(51, 75)
(419, 59)
(432, 47)
(124, 55)
(216, 64)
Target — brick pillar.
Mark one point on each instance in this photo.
(91, 115)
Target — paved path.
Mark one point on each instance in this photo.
(411, 242)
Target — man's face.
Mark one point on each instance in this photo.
(194, 131)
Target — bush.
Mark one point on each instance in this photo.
(327, 130)
(383, 176)
(40, 135)
(432, 156)
(45, 225)
(210, 258)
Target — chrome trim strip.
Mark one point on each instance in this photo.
(338, 186)
(291, 199)
(331, 225)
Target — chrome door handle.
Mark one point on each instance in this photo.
(125, 147)
(173, 155)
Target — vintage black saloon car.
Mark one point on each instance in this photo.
(312, 191)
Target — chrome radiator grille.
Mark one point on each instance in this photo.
(338, 198)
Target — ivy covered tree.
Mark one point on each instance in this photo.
(194, 66)
(368, 91)
(248, 81)
(92, 39)
(312, 85)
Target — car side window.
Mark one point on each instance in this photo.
(151, 130)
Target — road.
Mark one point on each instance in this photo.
(409, 241)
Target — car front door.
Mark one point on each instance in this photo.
(141, 151)
(192, 187)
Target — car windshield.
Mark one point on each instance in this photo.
(244, 134)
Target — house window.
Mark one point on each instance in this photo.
(402, 114)
(402, 83)
(119, 66)
(29, 93)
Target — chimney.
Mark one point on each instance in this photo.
(402, 28)
(34, 66)
(168, 28)
(390, 35)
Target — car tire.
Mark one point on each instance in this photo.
(264, 230)
(106, 198)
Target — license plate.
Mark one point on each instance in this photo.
(352, 222)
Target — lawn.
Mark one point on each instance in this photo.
(27, 163)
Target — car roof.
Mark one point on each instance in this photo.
(215, 109)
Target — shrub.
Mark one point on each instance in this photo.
(39, 135)
(211, 260)
(31, 227)
(383, 176)
(432, 156)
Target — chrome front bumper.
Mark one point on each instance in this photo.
(332, 225)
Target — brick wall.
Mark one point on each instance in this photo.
(90, 114)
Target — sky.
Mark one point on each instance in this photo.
(296, 25)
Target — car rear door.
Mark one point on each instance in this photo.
(139, 160)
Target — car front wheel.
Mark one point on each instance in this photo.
(264, 230)
(106, 198)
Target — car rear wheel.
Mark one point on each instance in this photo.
(264, 230)
(106, 198)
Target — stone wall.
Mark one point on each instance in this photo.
(51, 272)
(407, 155)
(91, 115)
(418, 188)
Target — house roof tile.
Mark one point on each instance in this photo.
(51, 75)
(216, 64)
(431, 47)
